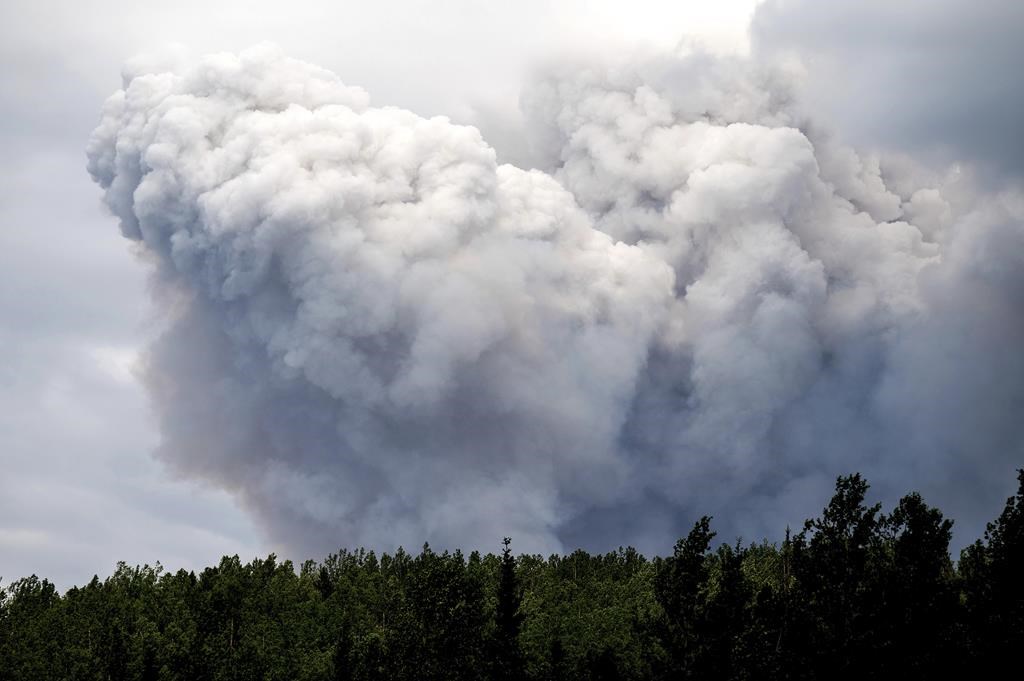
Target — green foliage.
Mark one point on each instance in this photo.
(855, 594)
(579, 607)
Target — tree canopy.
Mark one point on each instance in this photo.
(856, 593)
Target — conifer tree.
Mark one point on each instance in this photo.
(508, 660)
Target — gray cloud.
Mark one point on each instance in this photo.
(937, 78)
(379, 335)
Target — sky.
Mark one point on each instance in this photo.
(108, 448)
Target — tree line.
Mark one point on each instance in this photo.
(856, 593)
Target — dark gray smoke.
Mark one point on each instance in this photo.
(378, 335)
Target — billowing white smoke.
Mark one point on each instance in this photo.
(381, 336)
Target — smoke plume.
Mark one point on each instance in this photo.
(379, 335)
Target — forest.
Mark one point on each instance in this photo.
(855, 593)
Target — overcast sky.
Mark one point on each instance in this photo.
(935, 78)
(79, 488)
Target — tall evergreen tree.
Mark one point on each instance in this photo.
(508, 659)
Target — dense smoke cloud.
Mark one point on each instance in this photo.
(378, 335)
